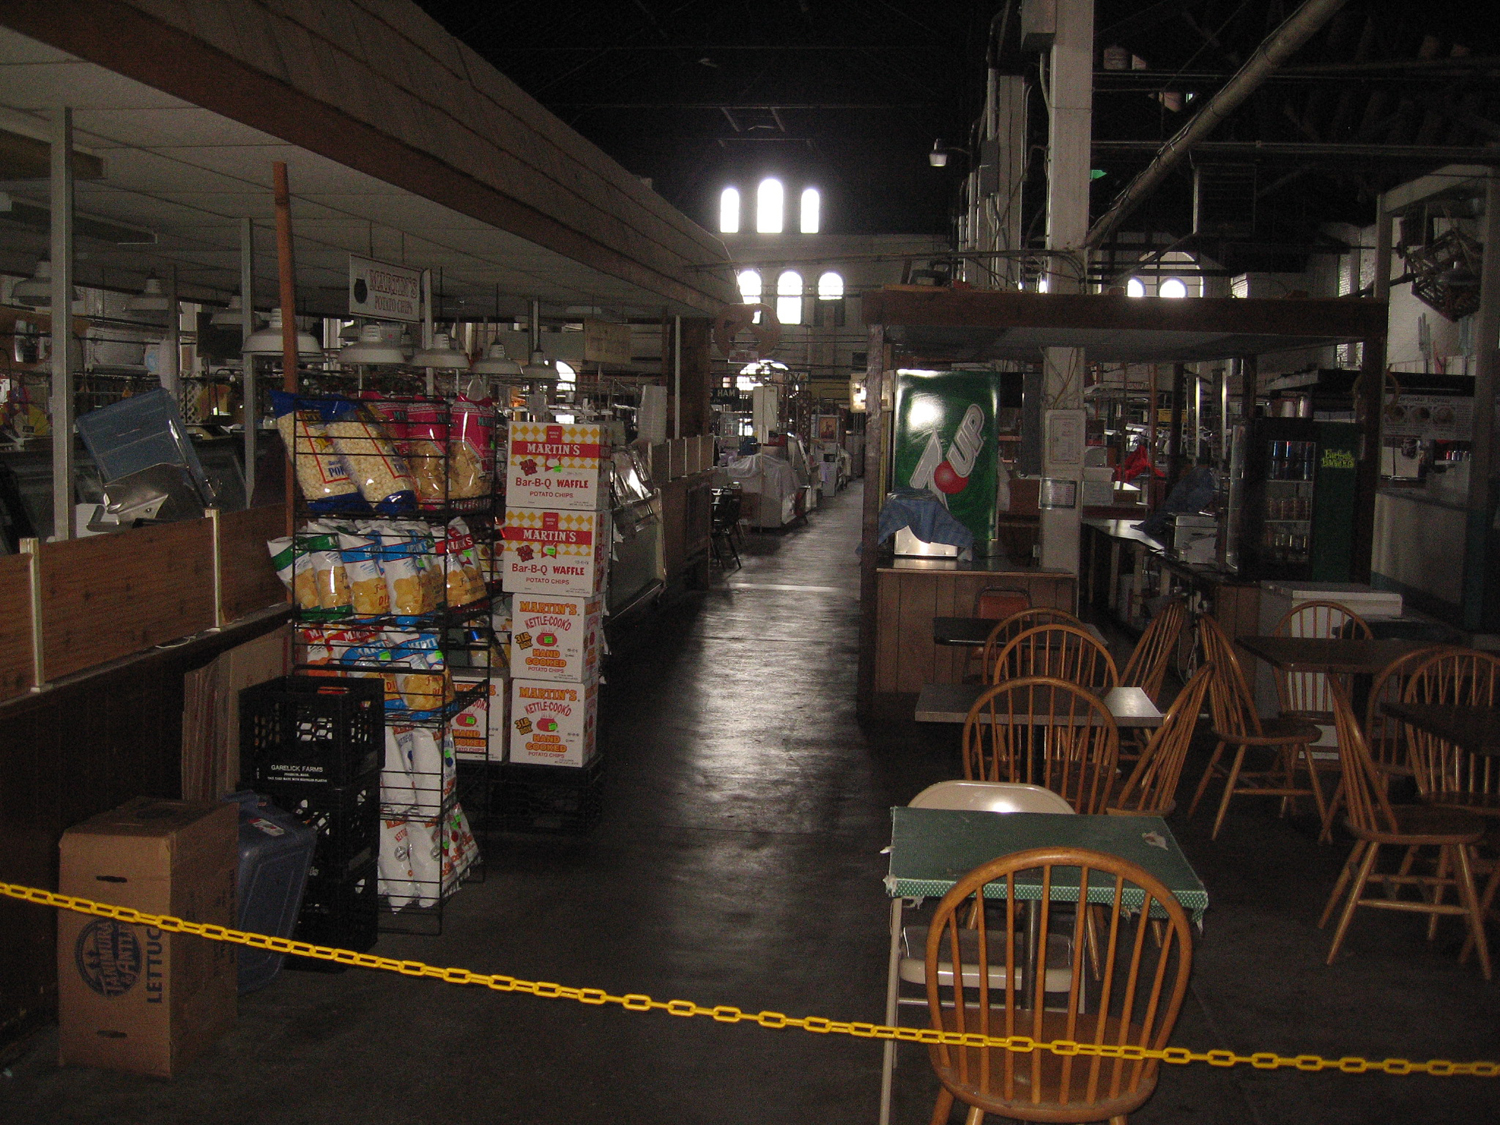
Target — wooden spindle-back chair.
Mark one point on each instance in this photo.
(1043, 731)
(1064, 652)
(1447, 774)
(1152, 785)
(1238, 725)
(1375, 822)
(1134, 1001)
(1147, 666)
(1008, 627)
(1306, 693)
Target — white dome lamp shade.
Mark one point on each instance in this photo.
(233, 315)
(36, 291)
(151, 300)
(540, 369)
(267, 341)
(442, 356)
(497, 364)
(372, 349)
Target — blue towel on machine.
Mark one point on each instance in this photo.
(925, 515)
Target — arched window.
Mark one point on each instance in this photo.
(1135, 287)
(770, 207)
(789, 297)
(729, 211)
(749, 286)
(1173, 287)
(830, 286)
(811, 207)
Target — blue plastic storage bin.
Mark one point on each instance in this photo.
(138, 432)
(276, 850)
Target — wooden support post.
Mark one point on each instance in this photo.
(285, 270)
(876, 425)
(1179, 396)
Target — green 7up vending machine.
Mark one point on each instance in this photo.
(945, 444)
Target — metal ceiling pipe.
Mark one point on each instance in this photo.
(1277, 48)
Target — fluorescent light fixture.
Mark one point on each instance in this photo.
(442, 355)
(267, 341)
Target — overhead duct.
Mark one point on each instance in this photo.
(1280, 46)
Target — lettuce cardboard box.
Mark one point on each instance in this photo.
(555, 638)
(553, 724)
(131, 997)
(549, 552)
(558, 466)
(479, 729)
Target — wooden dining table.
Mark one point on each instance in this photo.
(1329, 654)
(1475, 730)
(950, 703)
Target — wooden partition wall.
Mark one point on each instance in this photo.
(909, 597)
(105, 597)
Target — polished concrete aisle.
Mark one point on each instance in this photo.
(738, 862)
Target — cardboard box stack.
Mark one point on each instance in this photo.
(131, 997)
(556, 564)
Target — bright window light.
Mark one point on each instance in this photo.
(750, 286)
(789, 297)
(830, 286)
(566, 376)
(1135, 287)
(811, 205)
(729, 211)
(770, 207)
(1173, 287)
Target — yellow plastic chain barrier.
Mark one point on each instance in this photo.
(723, 1013)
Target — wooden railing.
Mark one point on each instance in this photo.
(79, 603)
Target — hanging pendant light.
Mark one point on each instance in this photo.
(151, 299)
(233, 316)
(267, 341)
(442, 356)
(36, 291)
(495, 362)
(540, 369)
(372, 349)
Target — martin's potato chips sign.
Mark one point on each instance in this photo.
(552, 724)
(554, 638)
(558, 466)
(549, 552)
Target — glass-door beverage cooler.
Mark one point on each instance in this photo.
(1298, 496)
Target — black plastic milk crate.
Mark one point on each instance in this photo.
(346, 818)
(326, 730)
(343, 913)
(550, 798)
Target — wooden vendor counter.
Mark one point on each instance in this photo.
(1123, 570)
(911, 592)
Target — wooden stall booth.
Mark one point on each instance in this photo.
(943, 328)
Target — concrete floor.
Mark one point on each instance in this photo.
(738, 862)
